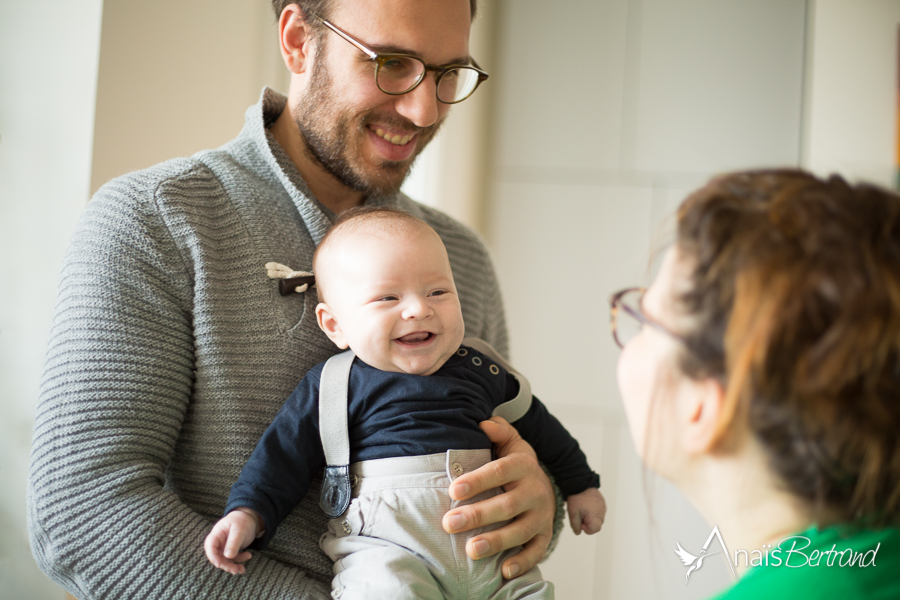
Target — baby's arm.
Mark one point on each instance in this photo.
(229, 535)
(587, 511)
(557, 449)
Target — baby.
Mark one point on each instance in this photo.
(416, 396)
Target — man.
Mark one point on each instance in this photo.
(171, 350)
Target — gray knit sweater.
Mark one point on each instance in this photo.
(170, 353)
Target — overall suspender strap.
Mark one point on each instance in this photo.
(333, 392)
(511, 410)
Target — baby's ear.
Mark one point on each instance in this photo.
(329, 324)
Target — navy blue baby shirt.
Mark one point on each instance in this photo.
(397, 414)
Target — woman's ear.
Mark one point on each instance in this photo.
(296, 39)
(700, 412)
(329, 324)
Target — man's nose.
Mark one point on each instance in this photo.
(421, 105)
(417, 307)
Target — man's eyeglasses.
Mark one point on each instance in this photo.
(626, 317)
(397, 74)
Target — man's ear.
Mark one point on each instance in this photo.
(296, 39)
(701, 411)
(329, 324)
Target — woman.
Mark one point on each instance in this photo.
(763, 379)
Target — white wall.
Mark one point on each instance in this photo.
(48, 78)
(608, 112)
(168, 79)
(853, 101)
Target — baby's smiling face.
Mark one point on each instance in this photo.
(389, 295)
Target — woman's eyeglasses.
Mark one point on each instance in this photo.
(626, 317)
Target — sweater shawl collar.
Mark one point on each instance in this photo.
(259, 118)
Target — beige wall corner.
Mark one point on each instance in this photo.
(451, 174)
(176, 77)
(851, 90)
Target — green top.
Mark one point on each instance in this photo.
(840, 562)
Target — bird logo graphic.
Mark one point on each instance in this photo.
(695, 562)
(689, 560)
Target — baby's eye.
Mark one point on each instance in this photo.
(438, 293)
(386, 298)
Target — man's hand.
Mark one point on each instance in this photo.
(587, 511)
(528, 499)
(232, 532)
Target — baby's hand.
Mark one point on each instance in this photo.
(587, 511)
(232, 532)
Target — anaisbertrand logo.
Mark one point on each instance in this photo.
(695, 562)
(792, 552)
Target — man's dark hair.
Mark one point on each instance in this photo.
(323, 7)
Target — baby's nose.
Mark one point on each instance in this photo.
(416, 308)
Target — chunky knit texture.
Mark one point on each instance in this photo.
(170, 353)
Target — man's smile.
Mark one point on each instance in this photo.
(395, 146)
(394, 138)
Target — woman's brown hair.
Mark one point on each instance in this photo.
(795, 307)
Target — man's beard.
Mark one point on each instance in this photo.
(332, 138)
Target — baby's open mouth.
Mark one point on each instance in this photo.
(416, 338)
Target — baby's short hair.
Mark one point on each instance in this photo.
(362, 218)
